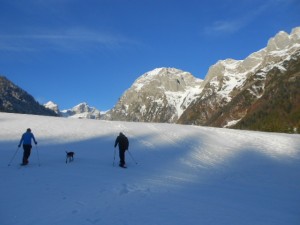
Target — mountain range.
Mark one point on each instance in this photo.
(260, 92)
(80, 111)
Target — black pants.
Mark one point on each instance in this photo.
(122, 156)
(26, 154)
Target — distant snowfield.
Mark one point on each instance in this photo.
(184, 175)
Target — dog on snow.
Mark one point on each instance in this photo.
(69, 156)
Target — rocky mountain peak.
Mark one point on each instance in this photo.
(283, 40)
(160, 95)
(229, 73)
(53, 106)
(167, 79)
(295, 34)
(82, 110)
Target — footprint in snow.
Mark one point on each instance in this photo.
(126, 189)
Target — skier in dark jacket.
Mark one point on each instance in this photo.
(26, 140)
(123, 143)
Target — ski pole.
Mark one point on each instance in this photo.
(13, 156)
(37, 152)
(132, 157)
(114, 157)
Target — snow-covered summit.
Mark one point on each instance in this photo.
(53, 106)
(158, 95)
(169, 79)
(82, 110)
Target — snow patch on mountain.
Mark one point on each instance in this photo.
(53, 106)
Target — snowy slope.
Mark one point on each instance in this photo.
(185, 175)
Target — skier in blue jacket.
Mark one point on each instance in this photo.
(26, 140)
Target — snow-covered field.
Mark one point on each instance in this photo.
(184, 175)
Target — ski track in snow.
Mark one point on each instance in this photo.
(184, 175)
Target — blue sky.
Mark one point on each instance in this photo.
(73, 51)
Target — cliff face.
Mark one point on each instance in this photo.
(279, 107)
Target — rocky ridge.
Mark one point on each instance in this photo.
(13, 99)
(232, 87)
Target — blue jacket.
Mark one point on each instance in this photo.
(26, 138)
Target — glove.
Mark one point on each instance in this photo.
(35, 143)
(19, 146)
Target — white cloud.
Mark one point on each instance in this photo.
(244, 18)
(223, 27)
(75, 39)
